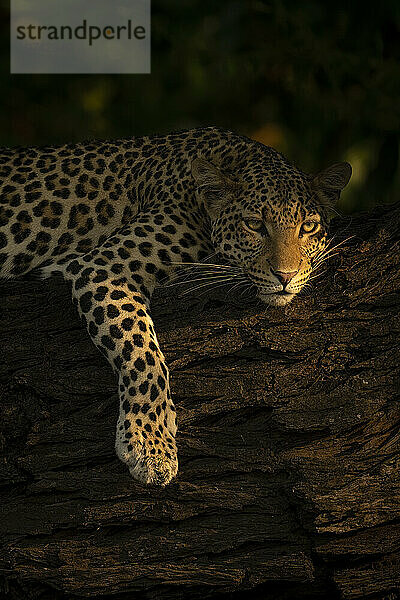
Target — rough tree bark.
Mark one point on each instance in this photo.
(289, 443)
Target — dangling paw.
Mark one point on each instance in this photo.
(150, 461)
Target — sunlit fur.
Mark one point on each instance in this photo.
(270, 219)
(281, 246)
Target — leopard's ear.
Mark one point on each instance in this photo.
(212, 184)
(329, 183)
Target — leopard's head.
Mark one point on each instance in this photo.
(270, 220)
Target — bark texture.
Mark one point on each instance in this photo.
(288, 437)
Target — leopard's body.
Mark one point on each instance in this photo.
(117, 217)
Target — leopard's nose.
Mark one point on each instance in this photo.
(283, 276)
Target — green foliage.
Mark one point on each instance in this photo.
(318, 80)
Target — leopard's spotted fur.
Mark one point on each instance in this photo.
(115, 217)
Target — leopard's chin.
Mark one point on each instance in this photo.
(276, 299)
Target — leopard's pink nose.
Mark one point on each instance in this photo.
(283, 276)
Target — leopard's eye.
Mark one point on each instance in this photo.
(309, 227)
(255, 225)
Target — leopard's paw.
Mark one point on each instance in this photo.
(147, 466)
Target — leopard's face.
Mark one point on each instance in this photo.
(273, 226)
(274, 244)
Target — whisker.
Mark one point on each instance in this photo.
(198, 271)
(200, 275)
(201, 266)
(236, 285)
(247, 288)
(322, 260)
(217, 281)
(206, 277)
(327, 254)
(316, 276)
(209, 284)
(328, 248)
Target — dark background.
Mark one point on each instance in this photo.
(319, 81)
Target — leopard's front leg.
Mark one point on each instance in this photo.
(146, 427)
(112, 287)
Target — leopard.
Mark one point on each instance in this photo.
(117, 218)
